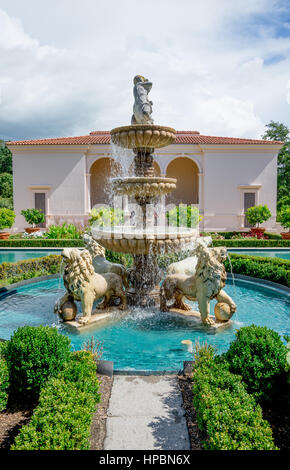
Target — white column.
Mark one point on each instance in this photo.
(201, 197)
(88, 184)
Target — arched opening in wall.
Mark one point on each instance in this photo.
(101, 171)
(186, 172)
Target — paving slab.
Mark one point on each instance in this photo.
(146, 413)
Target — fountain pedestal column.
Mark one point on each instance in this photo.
(144, 280)
(144, 241)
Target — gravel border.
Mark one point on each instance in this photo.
(99, 424)
(195, 437)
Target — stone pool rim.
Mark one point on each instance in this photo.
(12, 289)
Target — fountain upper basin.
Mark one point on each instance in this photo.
(143, 136)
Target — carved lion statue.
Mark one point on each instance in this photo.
(84, 284)
(101, 265)
(188, 265)
(206, 284)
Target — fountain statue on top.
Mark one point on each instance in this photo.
(200, 277)
(142, 108)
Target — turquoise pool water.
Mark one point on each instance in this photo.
(10, 256)
(275, 253)
(147, 339)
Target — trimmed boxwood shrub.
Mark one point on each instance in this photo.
(259, 356)
(271, 269)
(63, 417)
(33, 354)
(227, 415)
(41, 242)
(4, 383)
(58, 243)
(243, 243)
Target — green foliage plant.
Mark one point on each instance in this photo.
(7, 217)
(33, 355)
(228, 417)
(67, 402)
(256, 215)
(284, 217)
(33, 216)
(184, 215)
(106, 217)
(64, 231)
(259, 356)
(4, 383)
(6, 185)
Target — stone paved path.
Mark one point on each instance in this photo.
(146, 413)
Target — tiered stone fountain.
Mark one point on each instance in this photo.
(146, 241)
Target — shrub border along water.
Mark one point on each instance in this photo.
(44, 242)
(78, 243)
(63, 417)
(228, 416)
(267, 268)
(30, 268)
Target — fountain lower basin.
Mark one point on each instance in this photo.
(138, 186)
(156, 240)
(147, 339)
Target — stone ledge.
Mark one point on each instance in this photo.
(98, 319)
(195, 316)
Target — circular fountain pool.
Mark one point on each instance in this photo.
(147, 339)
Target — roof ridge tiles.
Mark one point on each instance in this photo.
(182, 137)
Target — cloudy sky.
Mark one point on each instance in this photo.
(218, 66)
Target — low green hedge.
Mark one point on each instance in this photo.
(260, 357)
(40, 242)
(63, 417)
(29, 268)
(270, 269)
(244, 242)
(227, 415)
(58, 243)
(4, 383)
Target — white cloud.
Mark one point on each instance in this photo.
(70, 73)
(288, 93)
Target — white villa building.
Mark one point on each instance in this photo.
(65, 177)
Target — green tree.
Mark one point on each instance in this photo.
(5, 158)
(6, 185)
(278, 131)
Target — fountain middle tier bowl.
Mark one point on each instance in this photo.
(141, 186)
(128, 239)
(143, 136)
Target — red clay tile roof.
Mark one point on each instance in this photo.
(103, 137)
